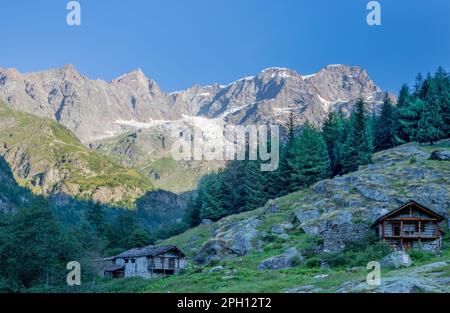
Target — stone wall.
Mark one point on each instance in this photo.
(337, 236)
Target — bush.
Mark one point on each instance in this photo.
(313, 262)
(296, 261)
(420, 256)
(358, 253)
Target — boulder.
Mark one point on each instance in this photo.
(272, 209)
(285, 260)
(440, 155)
(213, 250)
(303, 216)
(216, 269)
(206, 221)
(399, 284)
(396, 259)
(373, 192)
(230, 240)
(305, 289)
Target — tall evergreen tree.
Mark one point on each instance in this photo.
(309, 158)
(334, 134)
(95, 216)
(212, 197)
(430, 125)
(384, 131)
(408, 120)
(358, 148)
(418, 85)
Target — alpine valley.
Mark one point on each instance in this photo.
(86, 172)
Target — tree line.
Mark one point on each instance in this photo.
(343, 143)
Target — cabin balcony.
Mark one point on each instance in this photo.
(412, 235)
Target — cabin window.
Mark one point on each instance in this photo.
(126, 261)
(133, 261)
(422, 227)
(396, 228)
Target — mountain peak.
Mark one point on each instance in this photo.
(136, 75)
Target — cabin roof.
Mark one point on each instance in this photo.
(113, 268)
(419, 206)
(147, 251)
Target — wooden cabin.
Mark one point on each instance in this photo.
(147, 262)
(411, 226)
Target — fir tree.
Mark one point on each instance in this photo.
(384, 132)
(333, 131)
(96, 217)
(309, 158)
(357, 149)
(430, 125)
(408, 120)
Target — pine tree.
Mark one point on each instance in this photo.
(333, 131)
(430, 125)
(358, 148)
(404, 99)
(212, 197)
(408, 120)
(309, 158)
(279, 181)
(253, 186)
(96, 217)
(384, 131)
(418, 85)
(438, 93)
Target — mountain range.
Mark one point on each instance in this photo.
(96, 109)
(133, 122)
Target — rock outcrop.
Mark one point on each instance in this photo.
(396, 259)
(290, 258)
(234, 239)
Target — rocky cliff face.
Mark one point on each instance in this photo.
(90, 108)
(273, 93)
(95, 109)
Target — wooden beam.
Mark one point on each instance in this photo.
(411, 219)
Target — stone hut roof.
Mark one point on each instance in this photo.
(147, 251)
(113, 268)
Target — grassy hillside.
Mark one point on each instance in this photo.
(48, 158)
(397, 175)
(149, 152)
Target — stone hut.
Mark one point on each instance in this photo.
(147, 262)
(411, 226)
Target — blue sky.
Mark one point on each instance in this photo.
(182, 42)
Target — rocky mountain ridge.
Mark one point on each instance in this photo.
(96, 109)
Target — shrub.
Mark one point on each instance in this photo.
(296, 261)
(313, 262)
(420, 256)
(358, 253)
